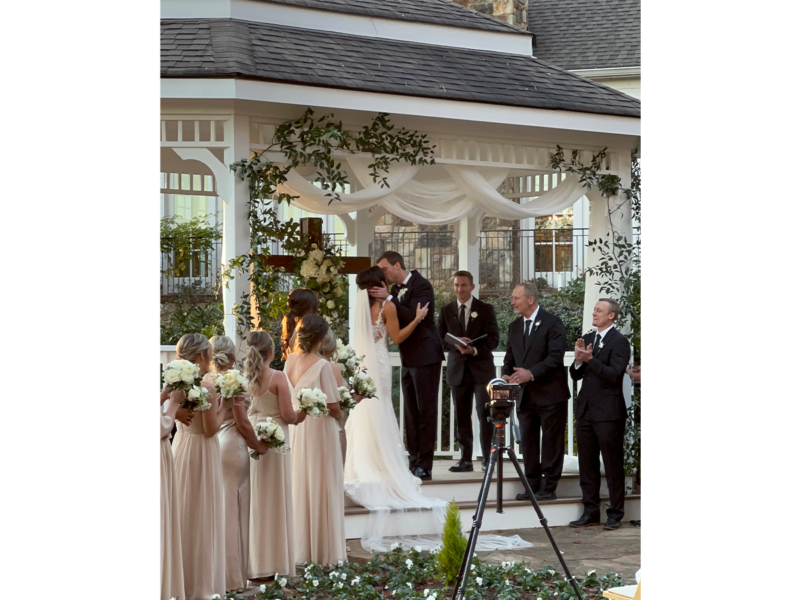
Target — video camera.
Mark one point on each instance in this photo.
(502, 397)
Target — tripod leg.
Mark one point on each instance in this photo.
(542, 519)
(463, 573)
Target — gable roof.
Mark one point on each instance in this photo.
(438, 12)
(587, 34)
(233, 48)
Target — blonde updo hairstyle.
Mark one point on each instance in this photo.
(310, 332)
(328, 344)
(223, 352)
(260, 349)
(191, 346)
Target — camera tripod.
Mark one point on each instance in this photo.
(498, 449)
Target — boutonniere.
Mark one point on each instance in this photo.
(473, 314)
(402, 293)
(536, 325)
(601, 344)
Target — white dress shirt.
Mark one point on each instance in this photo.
(405, 281)
(597, 334)
(468, 310)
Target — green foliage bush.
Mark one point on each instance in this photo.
(454, 545)
(188, 315)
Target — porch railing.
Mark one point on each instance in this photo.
(195, 272)
(445, 429)
(551, 257)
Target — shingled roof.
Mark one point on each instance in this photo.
(587, 34)
(233, 48)
(439, 12)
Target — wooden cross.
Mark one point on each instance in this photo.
(313, 228)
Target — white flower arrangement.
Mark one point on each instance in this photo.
(181, 374)
(402, 293)
(197, 399)
(364, 385)
(270, 432)
(346, 402)
(231, 383)
(536, 325)
(313, 402)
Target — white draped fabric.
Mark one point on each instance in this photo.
(463, 193)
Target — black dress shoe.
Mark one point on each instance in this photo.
(585, 521)
(422, 474)
(462, 466)
(523, 496)
(611, 523)
(544, 496)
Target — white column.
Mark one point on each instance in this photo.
(467, 232)
(236, 225)
(603, 213)
(360, 233)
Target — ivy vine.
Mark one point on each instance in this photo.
(319, 142)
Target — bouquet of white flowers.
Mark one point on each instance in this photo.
(364, 385)
(313, 402)
(230, 383)
(346, 356)
(347, 401)
(270, 432)
(185, 376)
(197, 399)
(181, 375)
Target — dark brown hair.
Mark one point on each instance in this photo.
(393, 258)
(302, 301)
(613, 306)
(466, 274)
(310, 332)
(372, 277)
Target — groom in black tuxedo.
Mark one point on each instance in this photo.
(469, 369)
(601, 358)
(537, 342)
(421, 355)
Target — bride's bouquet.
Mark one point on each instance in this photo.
(313, 402)
(231, 383)
(364, 385)
(346, 401)
(185, 376)
(270, 432)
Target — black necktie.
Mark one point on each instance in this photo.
(597, 341)
(527, 331)
(461, 317)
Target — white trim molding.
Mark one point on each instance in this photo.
(610, 72)
(330, 98)
(360, 25)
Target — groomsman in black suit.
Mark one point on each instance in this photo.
(601, 358)
(534, 359)
(421, 355)
(469, 369)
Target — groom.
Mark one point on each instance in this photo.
(421, 355)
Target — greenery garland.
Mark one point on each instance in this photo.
(318, 142)
(619, 271)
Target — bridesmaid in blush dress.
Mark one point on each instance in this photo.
(199, 486)
(171, 559)
(236, 438)
(317, 478)
(271, 517)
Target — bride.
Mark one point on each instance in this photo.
(376, 474)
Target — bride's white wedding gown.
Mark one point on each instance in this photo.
(376, 474)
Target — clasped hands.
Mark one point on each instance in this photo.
(519, 376)
(583, 353)
(468, 350)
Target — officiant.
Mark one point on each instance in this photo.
(470, 366)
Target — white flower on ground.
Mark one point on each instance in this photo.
(410, 585)
(432, 596)
(394, 546)
(282, 582)
(344, 575)
(551, 572)
(216, 597)
(340, 563)
(418, 548)
(472, 567)
(527, 570)
(409, 563)
(315, 583)
(355, 580)
(479, 581)
(426, 592)
(263, 588)
(592, 572)
(508, 582)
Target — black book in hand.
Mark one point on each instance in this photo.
(454, 340)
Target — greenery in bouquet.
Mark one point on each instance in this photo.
(364, 385)
(346, 402)
(270, 432)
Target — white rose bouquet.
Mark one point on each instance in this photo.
(231, 383)
(347, 401)
(185, 376)
(364, 385)
(270, 432)
(346, 356)
(197, 399)
(313, 402)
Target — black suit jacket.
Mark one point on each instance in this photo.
(543, 357)
(485, 322)
(423, 346)
(601, 398)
